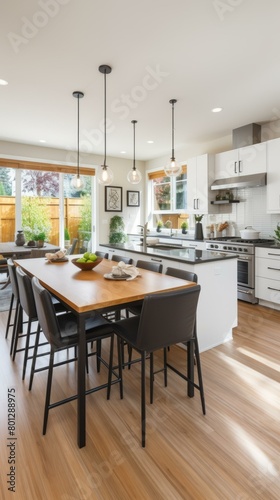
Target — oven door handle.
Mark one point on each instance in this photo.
(249, 292)
(274, 268)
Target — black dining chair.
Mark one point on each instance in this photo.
(119, 258)
(166, 318)
(104, 255)
(4, 270)
(72, 249)
(61, 331)
(17, 321)
(27, 303)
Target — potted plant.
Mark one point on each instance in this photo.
(198, 233)
(40, 238)
(184, 227)
(117, 234)
(159, 225)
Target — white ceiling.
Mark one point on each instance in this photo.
(205, 53)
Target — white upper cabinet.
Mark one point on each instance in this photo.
(243, 161)
(200, 176)
(273, 176)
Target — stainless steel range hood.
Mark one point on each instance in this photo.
(242, 181)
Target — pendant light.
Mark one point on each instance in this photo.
(77, 183)
(105, 174)
(173, 168)
(134, 175)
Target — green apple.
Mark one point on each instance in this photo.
(92, 257)
(86, 255)
(81, 259)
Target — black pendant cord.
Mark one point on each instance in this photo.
(173, 101)
(105, 121)
(78, 139)
(134, 121)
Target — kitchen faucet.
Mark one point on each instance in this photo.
(145, 227)
(168, 224)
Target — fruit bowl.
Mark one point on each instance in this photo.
(87, 266)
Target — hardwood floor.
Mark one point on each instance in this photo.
(233, 452)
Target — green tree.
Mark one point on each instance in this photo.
(35, 215)
(5, 181)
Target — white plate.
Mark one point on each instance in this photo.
(53, 261)
(110, 276)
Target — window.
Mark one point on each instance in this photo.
(169, 194)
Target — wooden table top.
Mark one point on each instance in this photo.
(9, 248)
(85, 291)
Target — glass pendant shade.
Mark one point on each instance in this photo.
(105, 175)
(173, 168)
(77, 183)
(134, 175)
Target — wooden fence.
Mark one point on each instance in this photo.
(72, 218)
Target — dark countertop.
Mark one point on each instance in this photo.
(187, 255)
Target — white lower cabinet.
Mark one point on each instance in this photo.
(268, 274)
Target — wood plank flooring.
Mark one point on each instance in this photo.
(233, 452)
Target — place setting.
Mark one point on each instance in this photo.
(123, 272)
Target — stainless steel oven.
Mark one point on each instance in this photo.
(245, 263)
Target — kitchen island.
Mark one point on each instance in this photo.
(217, 275)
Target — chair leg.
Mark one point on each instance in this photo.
(110, 366)
(34, 357)
(143, 399)
(199, 373)
(14, 326)
(18, 330)
(165, 365)
(26, 348)
(151, 377)
(10, 315)
(98, 355)
(120, 361)
(48, 392)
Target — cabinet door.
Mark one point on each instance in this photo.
(226, 164)
(202, 184)
(273, 176)
(191, 185)
(252, 159)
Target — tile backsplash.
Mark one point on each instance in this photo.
(251, 211)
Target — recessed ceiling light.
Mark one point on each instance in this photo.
(42, 140)
(216, 110)
(3, 82)
(150, 142)
(123, 152)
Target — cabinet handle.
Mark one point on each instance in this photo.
(194, 203)
(235, 167)
(275, 289)
(273, 268)
(239, 166)
(156, 260)
(197, 203)
(275, 254)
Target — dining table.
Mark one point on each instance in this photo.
(88, 292)
(10, 249)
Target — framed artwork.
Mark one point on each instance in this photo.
(133, 198)
(113, 199)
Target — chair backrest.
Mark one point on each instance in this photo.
(167, 318)
(71, 250)
(46, 313)
(104, 255)
(118, 258)
(150, 266)
(181, 273)
(26, 296)
(13, 278)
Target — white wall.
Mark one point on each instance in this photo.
(120, 166)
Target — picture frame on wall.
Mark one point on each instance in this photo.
(113, 199)
(133, 198)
